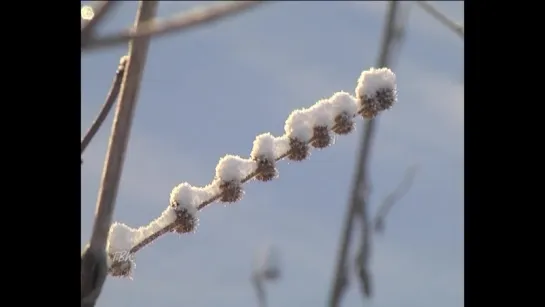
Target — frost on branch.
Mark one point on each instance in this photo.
(263, 153)
(122, 238)
(376, 91)
(230, 172)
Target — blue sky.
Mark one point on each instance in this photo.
(210, 91)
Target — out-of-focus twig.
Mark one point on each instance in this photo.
(99, 11)
(442, 18)
(93, 264)
(107, 106)
(259, 287)
(392, 198)
(266, 268)
(391, 44)
(177, 23)
(360, 188)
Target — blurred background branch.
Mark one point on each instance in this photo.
(357, 205)
(175, 24)
(442, 18)
(266, 268)
(394, 197)
(92, 16)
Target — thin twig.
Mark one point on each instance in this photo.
(113, 166)
(100, 10)
(394, 197)
(360, 187)
(107, 106)
(442, 18)
(178, 23)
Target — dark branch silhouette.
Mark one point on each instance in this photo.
(393, 198)
(107, 106)
(176, 24)
(360, 185)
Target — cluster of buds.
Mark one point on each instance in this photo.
(304, 129)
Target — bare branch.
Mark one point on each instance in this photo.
(392, 198)
(138, 50)
(99, 11)
(178, 23)
(360, 185)
(107, 106)
(94, 257)
(442, 18)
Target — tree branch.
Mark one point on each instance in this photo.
(394, 197)
(94, 257)
(442, 18)
(107, 106)
(360, 187)
(180, 22)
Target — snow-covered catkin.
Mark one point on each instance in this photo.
(299, 130)
(120, 240)
(230, 172)
(376, 91)
(184, 199)
(322, 120)
(121, 268)
(344, 108)
(263, 154)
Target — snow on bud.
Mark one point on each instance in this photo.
(263, 153)
(120, 241)
(184, 200)
(376, 91)
(299, 130)
(345, 107)
(322, 120)
(230, 172)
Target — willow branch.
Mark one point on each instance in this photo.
(107, 106)
(177, 23)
